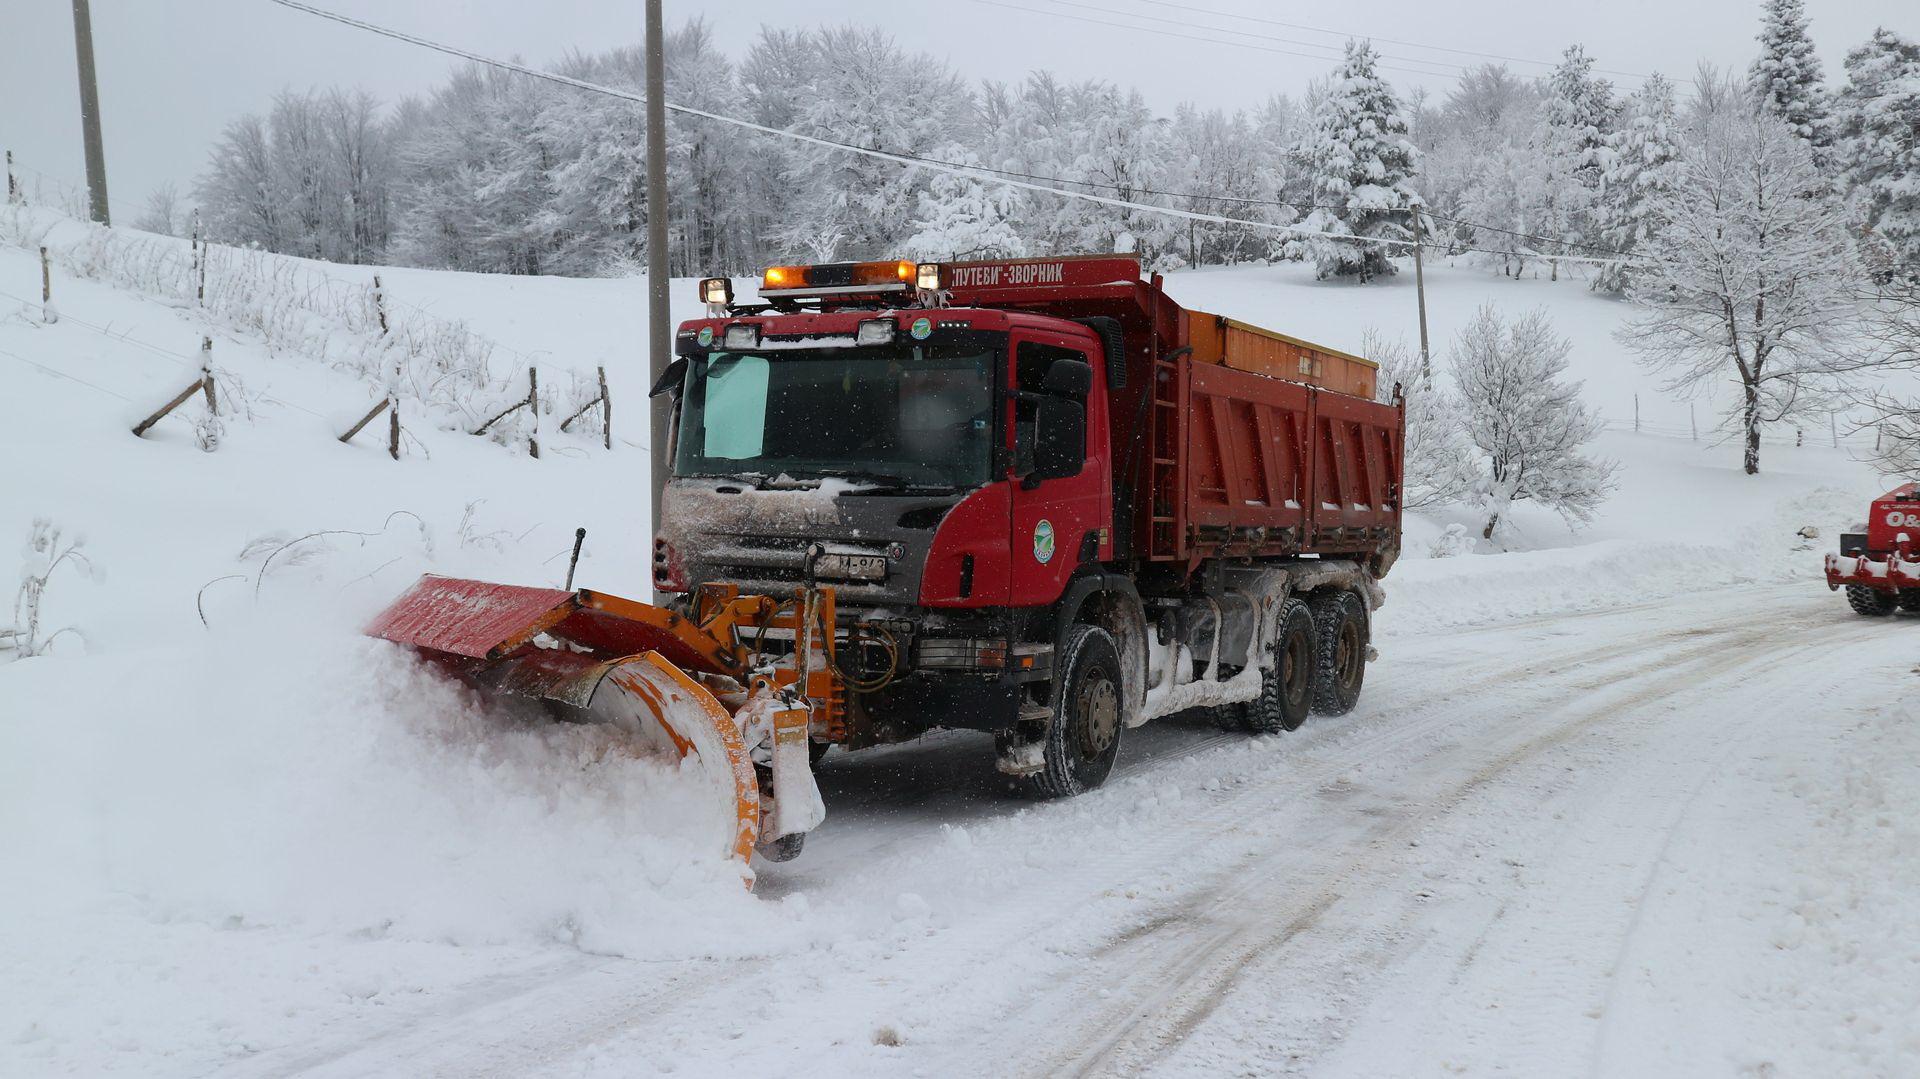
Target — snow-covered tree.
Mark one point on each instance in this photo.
(1437, 458)
(1488, 111)
(1571, 152)
(857, 86)
(1785, 77)
(162, 213)
(1645, 155)
(1879, 145)
(1748, 277)
(236, 192)
(1363, 165)
(1526, 420)
(965, 217)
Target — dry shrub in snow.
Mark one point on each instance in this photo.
(290, 307)
(1438, 465)
(1526, 420)
(47, 550)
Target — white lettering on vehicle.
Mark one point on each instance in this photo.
(1902, 519)
(1019, 273)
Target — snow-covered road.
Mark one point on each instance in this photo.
(1532, 850)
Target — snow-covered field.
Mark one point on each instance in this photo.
(1638, 799)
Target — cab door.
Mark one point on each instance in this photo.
(1061, 483)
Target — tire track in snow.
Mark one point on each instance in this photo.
(1189, 990)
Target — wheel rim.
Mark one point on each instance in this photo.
(1097, 708)
(1347, 655)
(1296, 659)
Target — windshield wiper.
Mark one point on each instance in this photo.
(875, 481)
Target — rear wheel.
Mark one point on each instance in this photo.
(1910, 599)
(1287, 688)
(1870, 601)
(1083, 735)
(1340, 624)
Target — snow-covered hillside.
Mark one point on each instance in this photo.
(1629, 799)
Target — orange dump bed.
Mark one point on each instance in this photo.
(1245, 347)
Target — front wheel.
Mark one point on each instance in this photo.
(1870, 601)
(1083, 735)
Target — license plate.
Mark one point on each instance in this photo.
(851, 567)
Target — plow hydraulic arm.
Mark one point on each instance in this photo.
(696, 688)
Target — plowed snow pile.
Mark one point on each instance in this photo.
(325, 782)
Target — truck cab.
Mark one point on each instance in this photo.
(975, 458)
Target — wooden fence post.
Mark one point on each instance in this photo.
(206, 374)
(13, 185)
(147, 424)
(393, 428)
(533, 406)
(385, 403)
(606, 411)
(1636, 413)
(380, 304)
(605, 401)
(199, 262)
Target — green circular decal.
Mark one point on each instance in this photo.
(922, 328)
(706, 336)
(1043, 542)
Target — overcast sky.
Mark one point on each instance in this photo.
(172, 73)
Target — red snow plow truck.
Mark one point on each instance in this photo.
(1034, 498)
(1876, 566)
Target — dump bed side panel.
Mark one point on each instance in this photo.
(1247, 452)
(1356, 466)
(1271, 467)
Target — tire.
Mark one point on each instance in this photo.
(1287, 689)
(1227, 717)
(1870, 601)
(1083, 735)
(1909, 599)
(1340, 629)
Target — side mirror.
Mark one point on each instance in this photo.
(1069, 378)
(671, 379)
(1060, 438)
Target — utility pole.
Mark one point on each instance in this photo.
(1420, 289)
(659, 332)
(90, 114)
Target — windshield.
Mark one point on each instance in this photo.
(916, 415)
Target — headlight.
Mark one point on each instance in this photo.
(741, 337)
(928, 276)
(716, 290)
(874, 331)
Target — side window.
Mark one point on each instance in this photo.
(1031, 360)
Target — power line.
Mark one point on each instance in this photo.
(912, 160)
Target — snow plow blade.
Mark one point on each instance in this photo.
(589, 657)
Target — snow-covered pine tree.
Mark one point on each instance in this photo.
(1645, 156)
(1527, 420)
(1877, 120)
(1785, 77)
(1363, 164)
(1749, 277)
(1576, 121)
